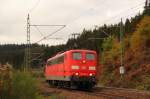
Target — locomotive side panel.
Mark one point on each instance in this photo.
(56, 68)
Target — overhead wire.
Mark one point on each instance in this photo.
(45, 37)
(116, 16)
(66, 25)
(36, 4)
(126, 16)
(39, 31)
(112, 18)
(41, 54)
(132, 13)
(103, 2)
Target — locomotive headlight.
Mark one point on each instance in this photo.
(76, 74)
(75, 67)
(90, 74)
(92, 68)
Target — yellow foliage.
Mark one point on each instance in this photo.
(141, 35)
(116, 48)
(112, 55)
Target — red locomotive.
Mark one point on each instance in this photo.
(73, 68)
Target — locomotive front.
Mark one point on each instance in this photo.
(83, 68)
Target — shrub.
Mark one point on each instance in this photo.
(20, 85)
(24, 86)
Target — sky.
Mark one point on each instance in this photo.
(75, 14)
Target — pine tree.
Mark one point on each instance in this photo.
(128, 27)
(147, 8)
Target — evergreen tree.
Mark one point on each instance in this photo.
(128, 26)
(147, 8)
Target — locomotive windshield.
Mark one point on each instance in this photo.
(77, 55)
(90, 56)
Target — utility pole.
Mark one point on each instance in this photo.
(28, 47)
(122, 69)
(27, 58)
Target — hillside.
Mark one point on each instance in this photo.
(136, 59)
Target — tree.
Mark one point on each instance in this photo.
(147, 8)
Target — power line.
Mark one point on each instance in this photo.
(36, 4)
(107, 34)
(57, 38)
(102, 2)
(114, 17)
(45, 37)
(28, 49)
(129, 14)
(74, 35)
(41, 54)
(39, 31)
(48, 25)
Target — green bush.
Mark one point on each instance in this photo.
(21, 86)
(24, 86)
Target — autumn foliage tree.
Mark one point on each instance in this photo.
(136, 58)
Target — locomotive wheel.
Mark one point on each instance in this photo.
(60, 84)
(51, 83)
(85, 86)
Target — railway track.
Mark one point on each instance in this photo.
(115, 93)
(124, 93)
(98, 93)
(102, 95)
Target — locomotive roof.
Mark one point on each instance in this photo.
(80, 50)
(76, 50)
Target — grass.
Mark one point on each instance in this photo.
(57, 96)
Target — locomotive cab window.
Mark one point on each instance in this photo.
(77, 55)
(90, 56)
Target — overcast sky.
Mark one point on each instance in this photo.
(75, 14)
